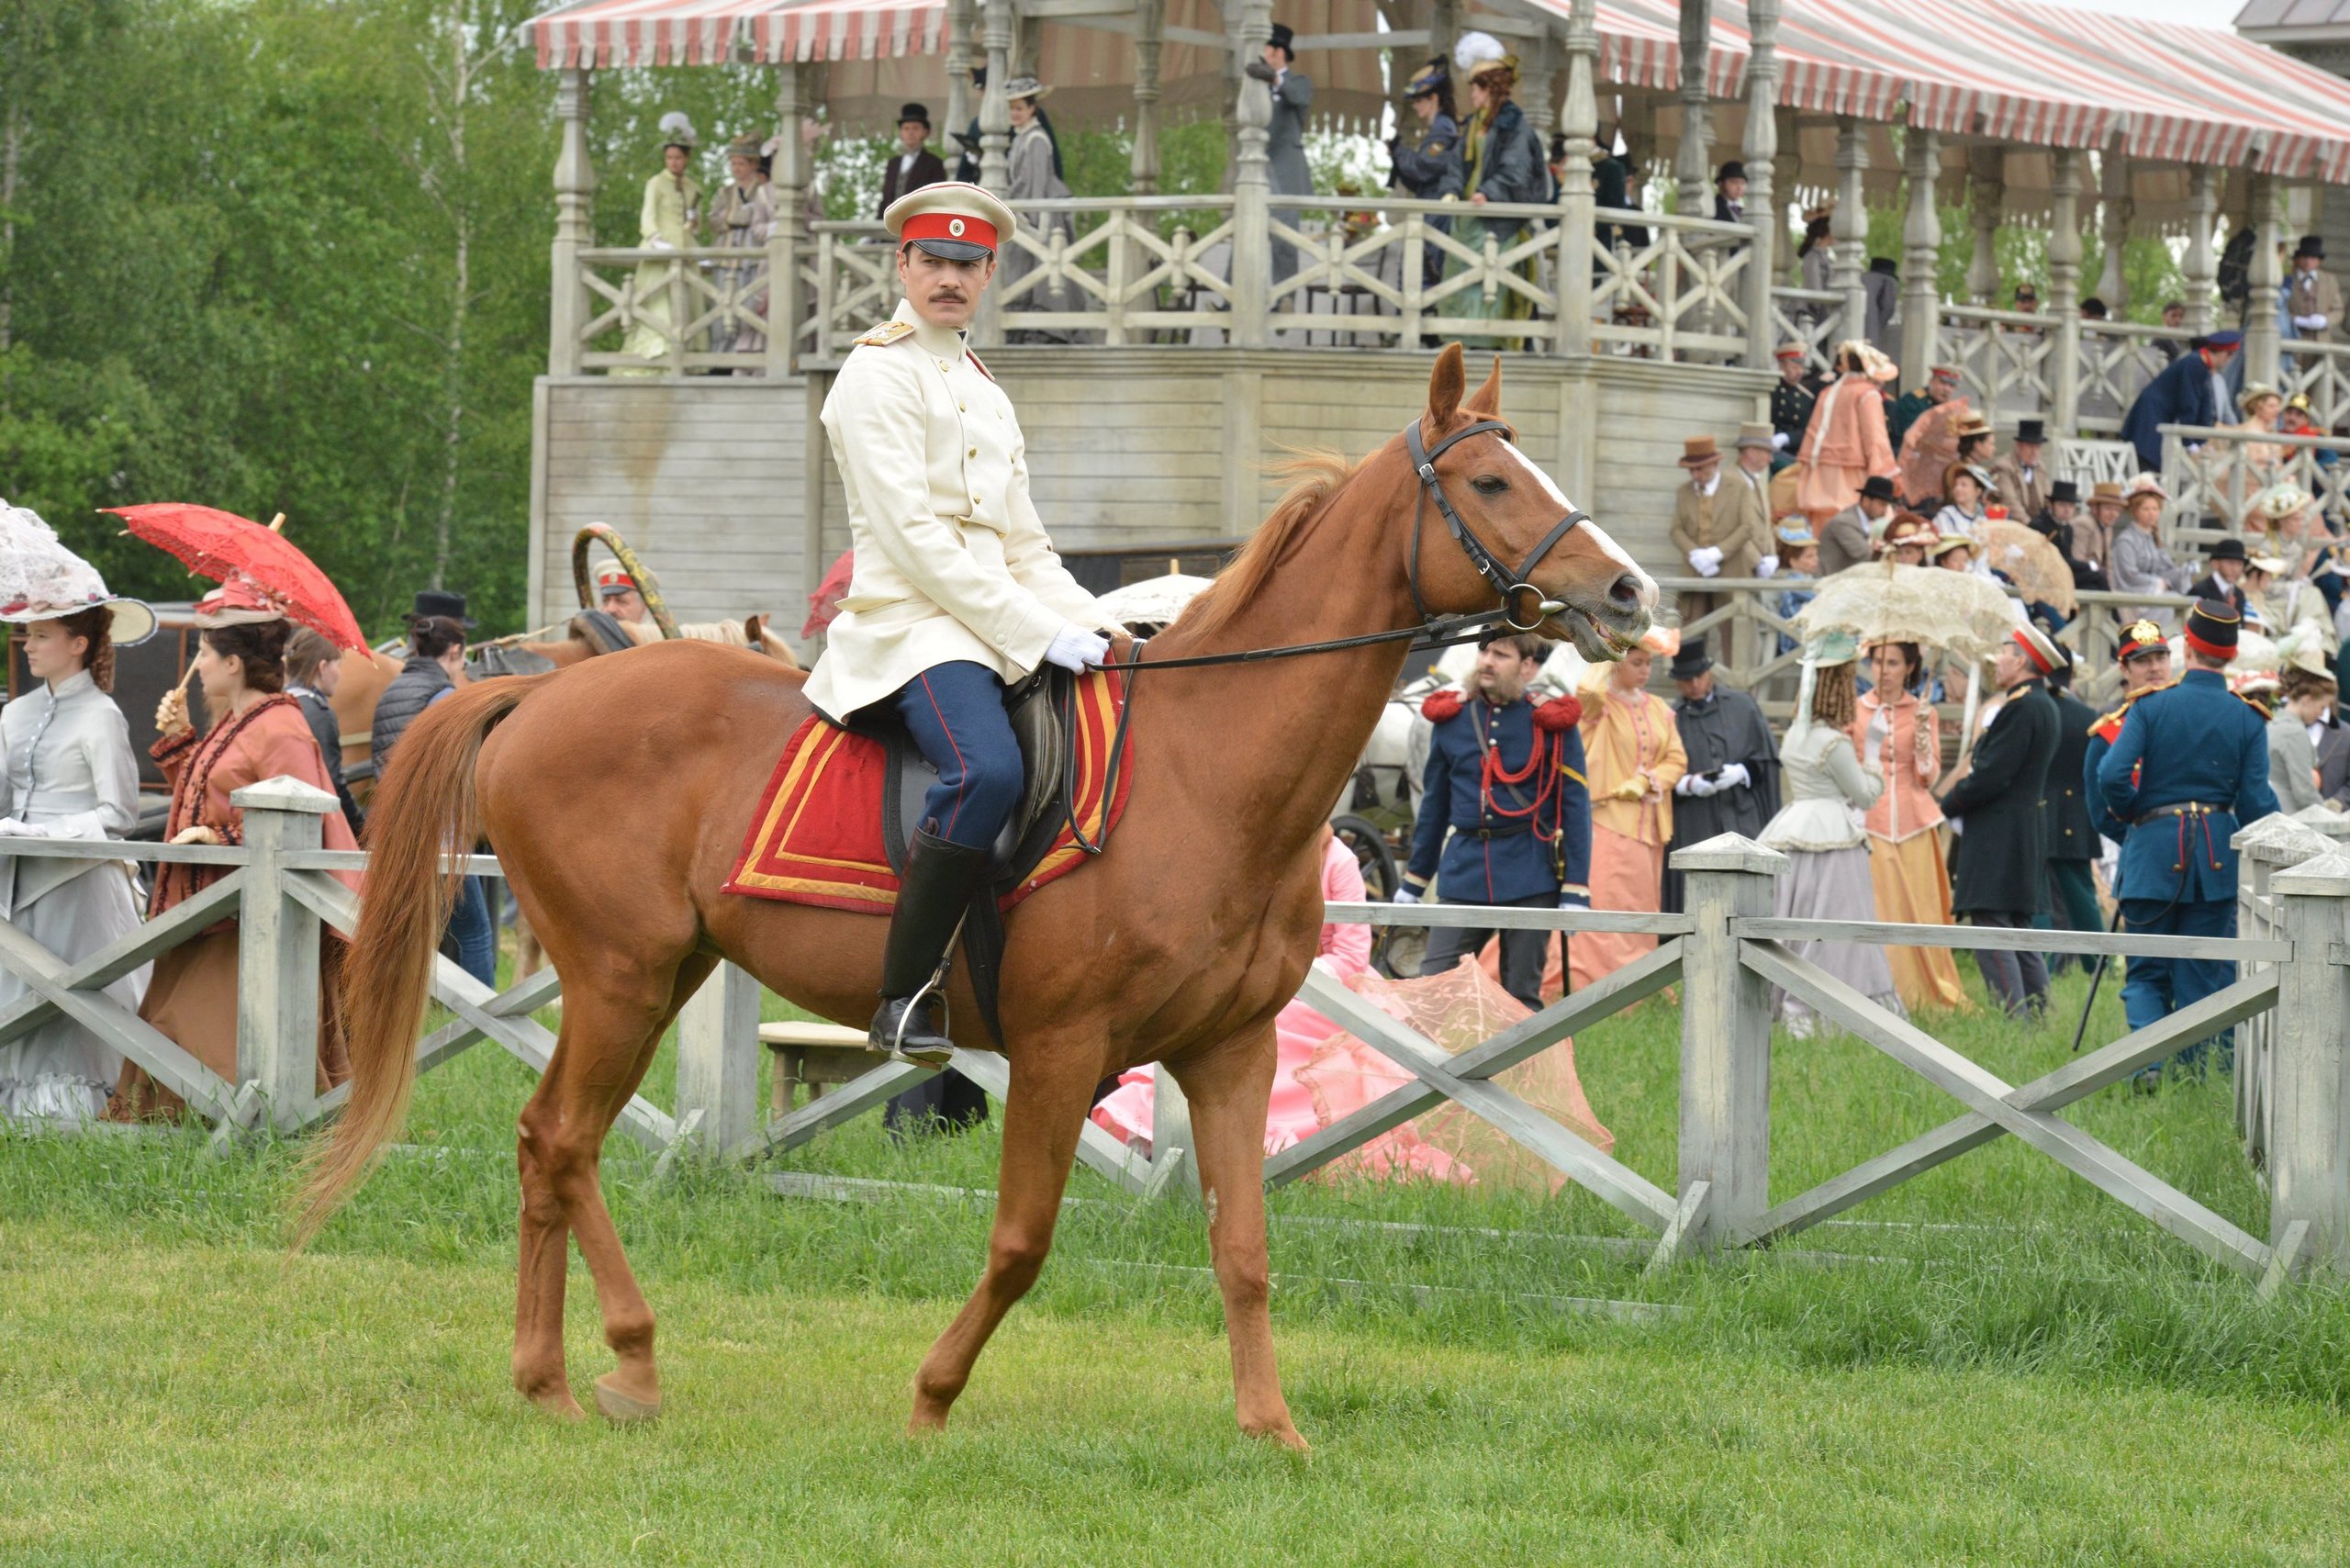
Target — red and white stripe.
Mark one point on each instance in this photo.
(609, 33)
(849, 29)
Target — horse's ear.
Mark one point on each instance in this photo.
(1487, 399)
(1445, 384)
(753, 627)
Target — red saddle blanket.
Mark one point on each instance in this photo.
(816, 838)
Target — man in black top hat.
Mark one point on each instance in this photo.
(2071, 830)
(1844, 538)
(1732, 784)
(2055, 522)
(1998, 805)
(2313, 300)
(2021, 477)
(1285, 166)
(913, 165)
(1729, 193)
(2224, 581)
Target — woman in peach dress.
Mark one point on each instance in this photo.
(1906, 865)
(1632, 752)
(1845, 442)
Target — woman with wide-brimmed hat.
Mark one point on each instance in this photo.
(69, 773)
(671, 219)
(1030, 177)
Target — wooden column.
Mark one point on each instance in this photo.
(1579, 120)
(1252, 235)
(2112, 282)
(1921, 240)
(1151, 30)
(1759, 153)
(2309, 1158)
(1725, 1038)
(1848, 260)
(788, 241)
(277, 952)
(1987, 183)
(1537, 80)
(575, 194)
(2065, 291)
(718, 1061)
(2261, 347)
(1692, 166)
(2201, 263)
(1444, 31)
(962, 23)
(995, 110)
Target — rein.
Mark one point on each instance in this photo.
(1524, 608)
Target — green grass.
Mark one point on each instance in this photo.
(2008, 1367)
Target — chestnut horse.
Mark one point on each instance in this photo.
(1179, 944)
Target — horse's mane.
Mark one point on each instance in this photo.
(1316, 474)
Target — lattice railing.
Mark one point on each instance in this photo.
(2004, 358)
(2213, 475)
(1812, 316)
(2116, 359)
(2321, 372)
(1677, 298)
(690, 302)
(1363, 277)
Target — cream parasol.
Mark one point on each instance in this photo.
(1882, 601)
(1154, 601)
(2032, 562)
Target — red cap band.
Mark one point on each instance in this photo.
(960, 226)
(2033, 654)
(2208, 650)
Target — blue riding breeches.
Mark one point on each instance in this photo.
(955, 714)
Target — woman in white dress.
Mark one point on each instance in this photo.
(69, 773)
(1829, 786)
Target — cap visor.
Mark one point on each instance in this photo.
(952, 249)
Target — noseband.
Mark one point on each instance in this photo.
(1524, 606)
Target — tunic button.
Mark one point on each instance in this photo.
(974, 452)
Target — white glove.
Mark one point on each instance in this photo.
(1406, 895)
(1733, 776)
(1778, 440)
(1074, 647)
(659, 243)
(1766, 565)
(1575, 900)
(10, 828)
(2309, 323)
(1705, 560)
(1696, 784)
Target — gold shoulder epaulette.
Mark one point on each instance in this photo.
(2254, 704)
(882, 336)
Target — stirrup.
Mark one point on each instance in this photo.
(930, 1057)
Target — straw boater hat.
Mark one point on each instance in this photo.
(2105, 490)
(2253, 391)
(1975, 425)
(1796, 535)
(1944, 546)
(41, 579)
(1756, 434)
(1699, 449)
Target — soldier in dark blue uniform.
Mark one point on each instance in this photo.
(2190, 767)
(1507, 779)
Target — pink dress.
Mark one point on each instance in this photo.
(1299, 1031)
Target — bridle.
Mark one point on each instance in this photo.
(1524, 608)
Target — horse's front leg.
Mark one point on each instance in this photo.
(1229, 1088)
(1052, 1090)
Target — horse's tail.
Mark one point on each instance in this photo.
(426, 805)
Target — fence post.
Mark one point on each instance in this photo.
(2309, 1158)
(2263, 848)
(277, 952)
(1725, 1038)
(718, 1060)
(1174, 1156)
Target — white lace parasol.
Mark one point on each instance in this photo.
(2032, 562)
(1882, 601)
(41, 579)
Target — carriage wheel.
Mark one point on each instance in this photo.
(1380, 879)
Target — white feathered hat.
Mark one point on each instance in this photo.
(677, 131)
(1476, 53)
(41, 579)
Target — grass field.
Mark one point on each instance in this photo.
(1999, 1365)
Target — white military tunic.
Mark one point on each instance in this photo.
(951, 559)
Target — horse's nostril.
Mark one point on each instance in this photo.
(1626, 591)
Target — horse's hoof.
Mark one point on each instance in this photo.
(558, 1402)
(1284, 1434)
(925, 1423)
(623, 1408)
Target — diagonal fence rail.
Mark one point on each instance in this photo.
(1728, 955)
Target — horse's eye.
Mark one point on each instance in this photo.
(1489, 484)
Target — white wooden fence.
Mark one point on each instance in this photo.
(1726, 953)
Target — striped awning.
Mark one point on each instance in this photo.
(2023, 72)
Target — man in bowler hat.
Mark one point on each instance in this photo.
(1844, 538)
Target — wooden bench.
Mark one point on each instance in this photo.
(816, 1055)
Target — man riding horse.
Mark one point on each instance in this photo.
(957, 591)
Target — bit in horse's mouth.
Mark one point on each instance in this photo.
(1593, 639)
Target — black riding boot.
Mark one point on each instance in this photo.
(936, 888)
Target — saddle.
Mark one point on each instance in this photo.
(1036, 706)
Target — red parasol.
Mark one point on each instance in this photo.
(824, 604)
(226, 548)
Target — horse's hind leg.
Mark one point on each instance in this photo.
(1228, 1088)
(1052, 1088)
(611, 1026)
